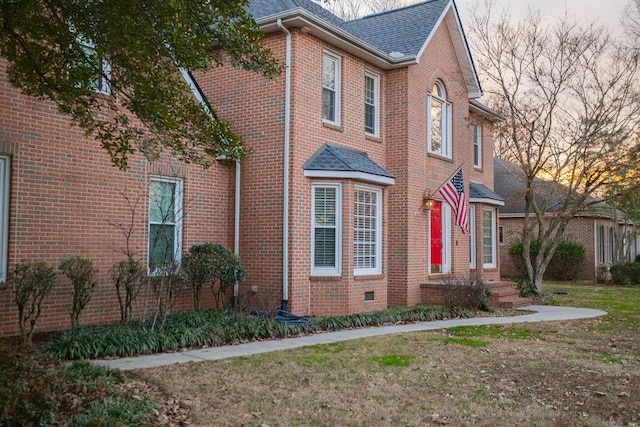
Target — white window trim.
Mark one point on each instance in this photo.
(473, 254)
(477, 145)
(494, 251)
(327, 271)
(5, 175)
(337, 90)
(377, 269)
(376, 103)
(178, 213)
(447, 149)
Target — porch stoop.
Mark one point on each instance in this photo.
(505, 295)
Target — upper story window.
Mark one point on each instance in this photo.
(367, 231)
(326, 239)
(372, 104)
(477, 146)
(165, 222)
(102, 68)
(439, 121)
(4, 215)
(331, 88)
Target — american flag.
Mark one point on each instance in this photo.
(453, 192)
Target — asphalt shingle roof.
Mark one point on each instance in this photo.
(401, 30)
(335, 158)
(479, 191)
(510, 183)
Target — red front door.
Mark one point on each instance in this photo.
(436, 238)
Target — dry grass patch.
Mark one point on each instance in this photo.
(550, 374)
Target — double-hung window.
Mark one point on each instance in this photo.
(326, 212)
(165, 222)
(477, 146)
(372, 104)
(489, 238)
(439, 122)
(367, 229)
(4, 215)
(102, 68)
(331, 88)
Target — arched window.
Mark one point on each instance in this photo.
(439, 121)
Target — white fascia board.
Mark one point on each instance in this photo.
(309, 23)
(486, 201)
(362, 176)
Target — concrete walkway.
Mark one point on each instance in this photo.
(543, 313)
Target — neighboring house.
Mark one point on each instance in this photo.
(605, 232)
(328, 213)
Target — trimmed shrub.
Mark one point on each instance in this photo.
(31, 281)
(564, 265)
(566, 261)
(627, 273)
(470, 294)
(128, 276)
(82, 274)
(197, 269)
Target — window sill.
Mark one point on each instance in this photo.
(477, 168)
(369, 277)
(372, 137)
(441, 157)
(333, 126)
(325, 278)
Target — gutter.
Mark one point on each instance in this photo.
(308, 22)
(287, 156)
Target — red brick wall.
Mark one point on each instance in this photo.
(579, 229)
(65, 194)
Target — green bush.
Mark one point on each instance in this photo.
(566, 261)
(197, 269)
(82, 274)
(31, 281)
(564, 265)
(128, 276)
(213, 264)
(217, 327)
(627, 273)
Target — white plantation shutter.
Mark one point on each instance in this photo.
(325, 245)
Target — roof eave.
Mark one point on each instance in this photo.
(362, 176)
(486, 201)
(309, 23)
(484, 111)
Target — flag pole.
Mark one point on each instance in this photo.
(450, 176)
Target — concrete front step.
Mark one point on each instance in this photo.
(505, 295)
(502, 294)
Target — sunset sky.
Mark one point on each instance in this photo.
(608, 12)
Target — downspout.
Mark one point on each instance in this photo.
(236, 229)
(287, 142)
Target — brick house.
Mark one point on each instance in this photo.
(334, 212)
(605, 232)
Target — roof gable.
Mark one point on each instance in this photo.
(389, 39)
